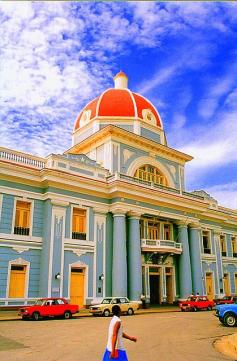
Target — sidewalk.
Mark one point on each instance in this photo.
(12, 315)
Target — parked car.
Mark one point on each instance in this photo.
(105, 307)
(227, 314)
(195, 303)
(48, 307)
(226, 300)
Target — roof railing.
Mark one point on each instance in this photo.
(21, 158)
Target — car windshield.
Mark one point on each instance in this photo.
(39, 302)
(106, 301)
(191, 299)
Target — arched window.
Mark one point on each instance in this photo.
(151, 174)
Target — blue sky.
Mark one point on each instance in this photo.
(56, 56)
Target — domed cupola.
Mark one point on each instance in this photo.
(123, 108)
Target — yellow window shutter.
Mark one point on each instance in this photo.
(17, 219)
(22, 214)
(25, 217)
(79, 220)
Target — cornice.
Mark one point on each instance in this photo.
(147, 194)
(16, 169)
(112, 130)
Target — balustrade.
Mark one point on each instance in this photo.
(22, 159)
(159, 244)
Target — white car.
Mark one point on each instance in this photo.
(105, 306)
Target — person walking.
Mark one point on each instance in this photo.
(115, 349)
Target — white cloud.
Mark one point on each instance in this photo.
(212, 147)
(159, 78)
(219, 88)
(226, 194)
(57, 55)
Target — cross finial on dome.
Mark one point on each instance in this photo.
(121, 80)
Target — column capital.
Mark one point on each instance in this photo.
(134, 214)
(195, 225)
(182, 223)
(217, 231)
(119, 212)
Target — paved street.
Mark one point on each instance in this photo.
(161, 337)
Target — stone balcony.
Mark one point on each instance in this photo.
(161, 246)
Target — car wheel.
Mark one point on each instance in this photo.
(209, 308)
(130, 312)
(106, 313)
(36, 316)
(182, 309)
(195, 309)
(67, 315)
(229, 320)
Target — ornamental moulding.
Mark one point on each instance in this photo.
(20, 249)
(58, 202)
(78, 252)
(20, 261)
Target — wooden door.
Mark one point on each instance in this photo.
(77, 287)
(169, 288)
(17, 281)
(209, 286)
(226, 283)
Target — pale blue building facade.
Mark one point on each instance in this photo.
(111, 215)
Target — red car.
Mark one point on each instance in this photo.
(195, 303)
(48, 307)
(226, 300)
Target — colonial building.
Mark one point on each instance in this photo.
(111, 215)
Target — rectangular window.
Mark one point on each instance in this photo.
(153, 230)
(167, 232)
(79, 224)
(206, 241)
(22, 218)
(223, 245)
(234, 246)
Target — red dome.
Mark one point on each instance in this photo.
(118, 103)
